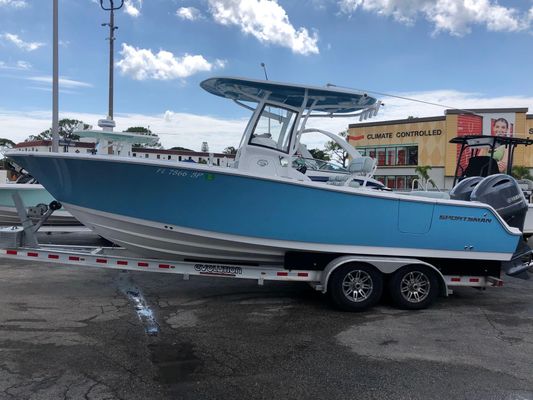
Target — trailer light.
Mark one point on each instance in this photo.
(53, 256)
(12, 252)
(456, 279)
(74, 258)
(303, 274)
(142, 264)
(31, 254)
(473, 280)
(101, 260)
(122, 262)
(282, 274)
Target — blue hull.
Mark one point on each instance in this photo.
(234, 205)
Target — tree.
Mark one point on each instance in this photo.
(180, 148)
(423, 173)
(66, 127)
(520, 172)
(336, 152)
(230, 150)
(319, 154)
(6, 143)
(144, 131)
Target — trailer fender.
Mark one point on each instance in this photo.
(385, 265)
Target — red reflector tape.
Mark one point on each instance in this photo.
(12, 252)
(282, 274)
(456, 279)
(474, 279)
(31, 254)
(165, 266)
(54, 256)
(122, 262)
(303, 274)
(142, 264)
(74, 258)
(101, 260)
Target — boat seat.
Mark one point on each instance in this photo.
(362, 165)
(340, 180)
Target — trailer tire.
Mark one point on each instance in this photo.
(355, 286)
(414, 287)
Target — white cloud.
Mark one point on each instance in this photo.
(188, 13)
(19, 65)
(63, 82)
(190, 130)
(453, 16)
(13, 3)
(142, 64)
(267, 21)
(133, 7)
(21, 44)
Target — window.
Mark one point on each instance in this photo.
(391, 156)
(273, 128)
(179, 158)
(170, 157)
(159, 156)
(146, 155)
(134, 154)
(412, 157)
(401, 156)
(381, 156)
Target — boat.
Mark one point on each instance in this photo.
(37, 199)
(265, 211)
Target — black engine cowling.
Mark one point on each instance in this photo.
(503, 193)
(464, 189)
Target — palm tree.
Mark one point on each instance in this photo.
(423, 173)
(520, 172)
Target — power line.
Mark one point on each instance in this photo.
(403, 98)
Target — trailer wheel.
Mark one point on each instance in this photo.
(414, 287)
(355, 287)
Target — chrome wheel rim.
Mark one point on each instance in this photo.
(357, 286)
(415, 287)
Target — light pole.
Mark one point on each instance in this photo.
(55, 80)
(111, 8)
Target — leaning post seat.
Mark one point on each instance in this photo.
(360, 166)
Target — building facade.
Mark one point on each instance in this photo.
(402, 145)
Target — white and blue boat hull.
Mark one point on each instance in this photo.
(189, 211)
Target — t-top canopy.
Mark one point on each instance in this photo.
(485, 140)
(329, 100)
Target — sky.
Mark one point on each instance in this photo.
(457, 53)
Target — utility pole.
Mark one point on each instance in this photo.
(111, 8)
(55, 80)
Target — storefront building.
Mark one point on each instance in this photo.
(402, 145)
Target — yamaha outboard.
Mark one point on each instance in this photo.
(503, 193)
(464, 189)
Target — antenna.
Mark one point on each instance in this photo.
(266, 77)
(111, 8)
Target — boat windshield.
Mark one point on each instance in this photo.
(315, 164)
(273, 128)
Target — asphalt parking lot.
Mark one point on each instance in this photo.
(82, 333)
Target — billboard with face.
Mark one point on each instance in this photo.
(490, 124)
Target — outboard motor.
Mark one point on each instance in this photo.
(464, 189)
(503, 193)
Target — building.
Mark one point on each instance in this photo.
(401, 145)
(147, 153)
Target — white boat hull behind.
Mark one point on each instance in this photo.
(9, 217)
